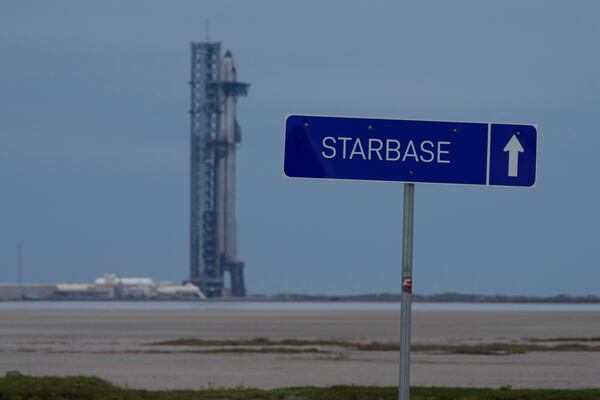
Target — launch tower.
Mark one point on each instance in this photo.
(214, 135)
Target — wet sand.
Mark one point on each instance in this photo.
(114, 345)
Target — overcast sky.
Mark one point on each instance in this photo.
(94, 140)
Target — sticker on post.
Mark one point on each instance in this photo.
(407, 285)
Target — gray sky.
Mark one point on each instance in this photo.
(94, 140)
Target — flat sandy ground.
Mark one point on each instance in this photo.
(114, 345)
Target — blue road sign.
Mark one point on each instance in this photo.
(471, 153)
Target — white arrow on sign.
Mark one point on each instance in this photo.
(514, 148)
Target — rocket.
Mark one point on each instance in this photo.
(227, 136)
(214, 136)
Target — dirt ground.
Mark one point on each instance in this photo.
(114, 345)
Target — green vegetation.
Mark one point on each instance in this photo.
(479, 349)
(211, 350)
(84, 388)
(268, 349)
(267, 344)
(264, 345)
(435, 298)
(565, 339)
(259, 341)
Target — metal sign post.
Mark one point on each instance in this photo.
(410, 151)
(405, 317)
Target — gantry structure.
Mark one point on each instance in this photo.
(214, 136)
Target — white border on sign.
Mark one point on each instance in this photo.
(489, 124)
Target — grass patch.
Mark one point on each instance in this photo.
(213, 350)
(481, 349)
(268, 349)
(259, 341)
(564, 347)
(565, 339)
(361, 346)
(85, 388)
(264, 345)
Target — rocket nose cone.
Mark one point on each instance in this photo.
(228, 54)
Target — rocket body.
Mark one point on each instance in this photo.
(226, 142)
